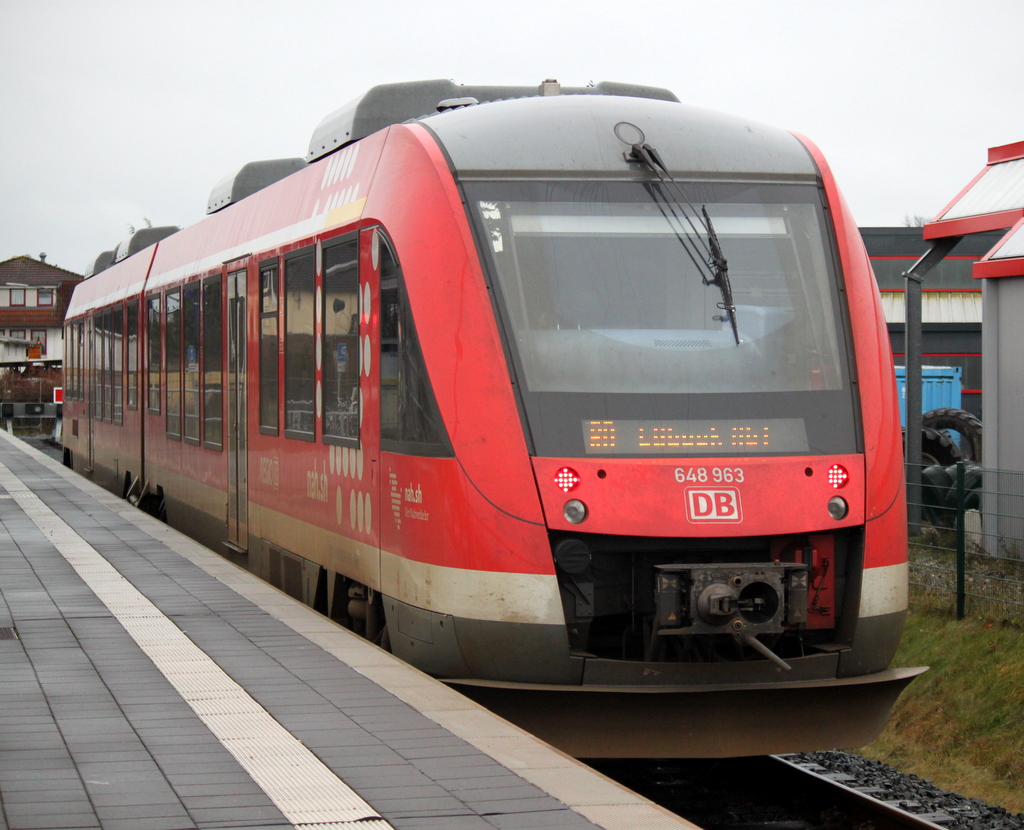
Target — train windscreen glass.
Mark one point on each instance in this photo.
(612, 318)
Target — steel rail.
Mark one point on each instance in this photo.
(865, 803)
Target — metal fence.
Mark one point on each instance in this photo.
(967, 542)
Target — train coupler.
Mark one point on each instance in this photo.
(744, 599)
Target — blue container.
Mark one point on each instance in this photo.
(940, 388)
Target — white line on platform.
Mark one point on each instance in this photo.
(301, 786)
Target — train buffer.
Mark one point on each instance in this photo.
(146, 682)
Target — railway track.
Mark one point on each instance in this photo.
(868, 804)
(772, 793)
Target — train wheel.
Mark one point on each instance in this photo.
(963, 422)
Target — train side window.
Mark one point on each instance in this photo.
(81, 360)
(172, 352)
(269, 289)
(69, 362)
(107, 367)
(89, 364)
(299, 345)
(153, 353)
(95, 366)
(77, 376)
(132, 401)
(213, 364)
(190, 361)
(340, 347)
(410, 421)
(117, 363)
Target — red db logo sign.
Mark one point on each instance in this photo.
(719, 504)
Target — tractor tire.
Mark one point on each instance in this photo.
(938, 449)
(963, 422)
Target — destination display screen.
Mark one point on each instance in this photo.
(720, 437)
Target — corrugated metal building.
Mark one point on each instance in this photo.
(951, 301)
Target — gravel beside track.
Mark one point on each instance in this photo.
(744, 794)
(968, 813)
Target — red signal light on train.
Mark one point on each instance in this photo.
(567, 479)
(837, 476)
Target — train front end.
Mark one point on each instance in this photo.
(705, 388)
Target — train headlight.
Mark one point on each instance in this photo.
(838, 508)
(574, 511)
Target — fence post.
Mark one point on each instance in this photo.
(961, 547)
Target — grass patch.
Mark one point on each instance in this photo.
(961, 724)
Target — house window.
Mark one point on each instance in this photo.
(44, 297)
(39, 336)
(18, 334)
(17, 296)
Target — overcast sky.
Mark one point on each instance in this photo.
(114, 112)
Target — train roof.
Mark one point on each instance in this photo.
(248, 179)
(572, 135)
(539, 136)
(387, 104)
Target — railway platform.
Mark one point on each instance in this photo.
(147, 683)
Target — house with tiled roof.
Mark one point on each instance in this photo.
(34, 297)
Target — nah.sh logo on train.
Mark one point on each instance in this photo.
(717, 504)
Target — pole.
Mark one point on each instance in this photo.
(912, 339)
(961, 546)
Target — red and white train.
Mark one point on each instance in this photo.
(581, 399)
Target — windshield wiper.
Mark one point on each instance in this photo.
(706, 256)
(721, 278)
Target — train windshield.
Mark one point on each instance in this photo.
(611, 319)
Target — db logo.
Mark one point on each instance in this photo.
(720, 504)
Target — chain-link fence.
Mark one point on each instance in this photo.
(967, 542)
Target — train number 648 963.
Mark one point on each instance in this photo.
(719, 475)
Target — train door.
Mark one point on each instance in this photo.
(238, 495)
(371, 316)
(349, 399)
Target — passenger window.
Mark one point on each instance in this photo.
(190, 365)
(153, 356)
(172, 352)
(213, 364)
(96, 368)
(299, 344)
(117, 363)
(106, 343)
(133, 355)
(410, 421)
(340, 346)
(268, 348)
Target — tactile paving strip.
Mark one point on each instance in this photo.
(302, 787)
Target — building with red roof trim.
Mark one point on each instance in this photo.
(34, 297)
